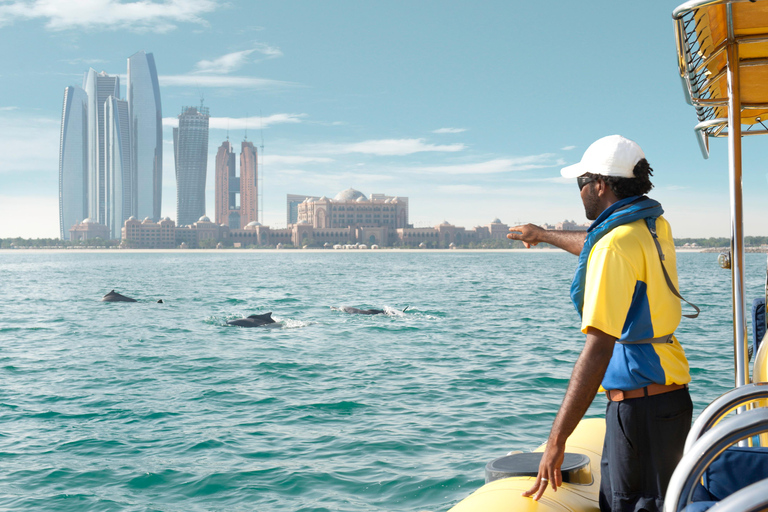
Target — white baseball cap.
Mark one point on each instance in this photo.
(610, 156)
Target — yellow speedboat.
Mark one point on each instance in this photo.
(581, 481)
(723, 61)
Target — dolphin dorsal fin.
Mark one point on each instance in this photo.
(265, 315)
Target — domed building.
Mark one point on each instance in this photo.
(351, 208)
(348, 195)
(497, 230)
(147, 234)
(89, 229)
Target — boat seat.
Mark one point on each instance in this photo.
(720, 480)
(699, 506)
(575, 468)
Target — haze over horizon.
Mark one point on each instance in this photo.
(468, 110)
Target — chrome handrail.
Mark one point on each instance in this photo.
(722, 406)
(752, 498)
(704, 451)
(682, 10)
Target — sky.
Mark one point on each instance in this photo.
(469, 109)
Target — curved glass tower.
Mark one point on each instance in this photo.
(190, 145)
(73, 161)
(146, 120)
(99, 87)
(119, 177)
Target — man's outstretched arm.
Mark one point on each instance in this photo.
(531, 234)
(585, 381)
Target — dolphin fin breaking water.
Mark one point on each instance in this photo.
(253, 320)
(113, 296)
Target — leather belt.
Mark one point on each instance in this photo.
(617, 395)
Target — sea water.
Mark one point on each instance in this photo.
(146, 406)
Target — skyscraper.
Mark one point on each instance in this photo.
(146, 120)
(120, 180)
(99, 87)
(249, 191)
(227, 187)
(73, 161)
(237, 199)
(190, 148)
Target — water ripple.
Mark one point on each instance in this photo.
(165, 407)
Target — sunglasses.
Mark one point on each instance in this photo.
(583, 180)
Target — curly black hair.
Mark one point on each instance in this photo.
(628, 187)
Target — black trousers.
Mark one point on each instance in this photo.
(644, 441)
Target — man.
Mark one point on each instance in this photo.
(625, 290)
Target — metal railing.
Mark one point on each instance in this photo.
(706, 449)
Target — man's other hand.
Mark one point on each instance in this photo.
(529, 234)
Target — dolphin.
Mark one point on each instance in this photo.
(113, 296)
(253, 320)
(355, 311)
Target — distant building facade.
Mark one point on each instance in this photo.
(204, 233)
(121, 143)
(567, 225)
(237, 198)
(99, 87)
(227, 187)
(190, 146)
(73, 160)
(350, 208)
(120, 181)
(89, 229)
(249, 186)
(146, 121)
(292, 203)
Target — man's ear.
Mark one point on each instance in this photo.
(602, 187)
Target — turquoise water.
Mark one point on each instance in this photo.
(146, 406)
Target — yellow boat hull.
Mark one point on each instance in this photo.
(505, 495)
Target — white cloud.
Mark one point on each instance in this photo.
(499, 165)
(343, 180)
(142, 15)
(40, 219)
(88, 62)
(568, 148)
(461, 189)
(241, 123)
(7, 109)
(241, 82)
(450, 130)
(295, 160)
(389, 147)
(235, 60)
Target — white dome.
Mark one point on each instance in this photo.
(147, 220)
(323, 199)
(253, 223)
(496, 221)
(302, 222)
(204, 218)
(132, 217)
(389, 200)
(89, 221)
(349, 195)
(361, 199)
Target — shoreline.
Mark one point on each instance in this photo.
(330, 251)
